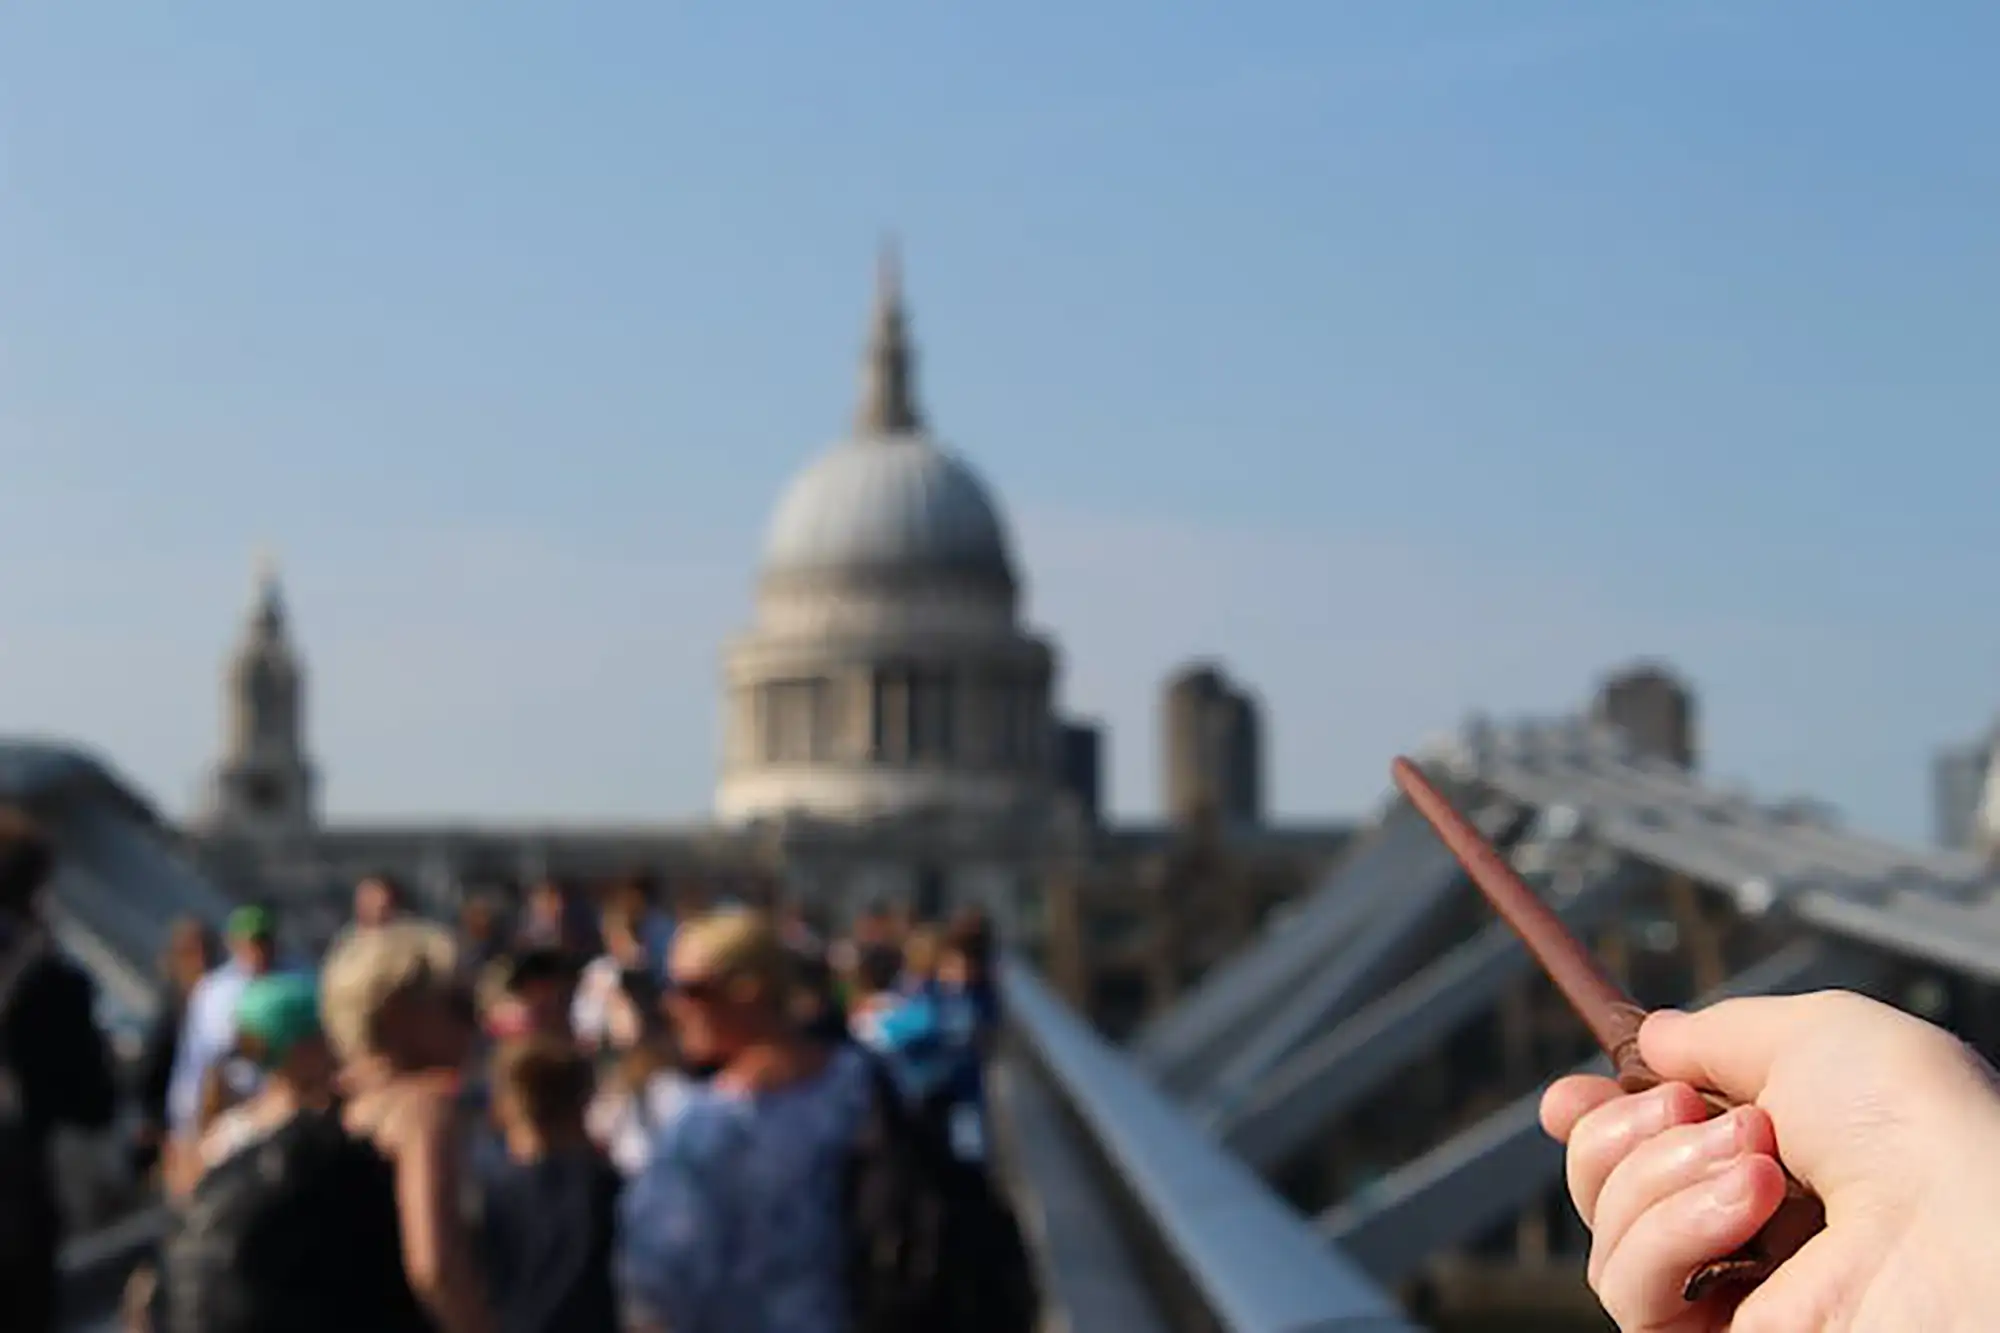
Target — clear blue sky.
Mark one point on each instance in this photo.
(1413, 356)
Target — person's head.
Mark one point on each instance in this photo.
(394, 994)
(638, 887)
(548, 905)
(954, 966)
(500, 1015)
(972, 929)
(541, 1089)
(27, 861)
(873, 924)
(253, 939)
(730, 985)
(378, 900)
(623, 925)
(965, 957)
(878, 970)
(190, 953)
(920, 954)
(278, 1029)
(692, 898)
(478, 921)
(542, 982)
(815, 998)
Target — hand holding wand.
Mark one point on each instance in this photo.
(1613, 1018)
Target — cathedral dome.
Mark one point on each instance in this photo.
(887, 674)
(888, 502)
(893, 505)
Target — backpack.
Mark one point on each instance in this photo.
(267, 1242)
(24, 1227)
(932, 1243)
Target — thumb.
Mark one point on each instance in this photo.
(1730, 1046)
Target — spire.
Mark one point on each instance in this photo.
(267, 608)
(888, 388)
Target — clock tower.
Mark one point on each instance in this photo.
(264, 782)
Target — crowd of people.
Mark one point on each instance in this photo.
(619, 1114)
(711, 1120)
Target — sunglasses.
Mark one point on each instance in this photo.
(699, 990)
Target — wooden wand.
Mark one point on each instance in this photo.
(1613, 1018)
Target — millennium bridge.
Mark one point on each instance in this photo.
(1335, 1129)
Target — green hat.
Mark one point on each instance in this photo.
(251, 923)
(279, 1011)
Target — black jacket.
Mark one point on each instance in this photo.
(156, 1060)
(50, 1038)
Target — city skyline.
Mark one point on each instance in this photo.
(1409, 362)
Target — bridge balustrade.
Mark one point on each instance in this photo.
(1203, 1246)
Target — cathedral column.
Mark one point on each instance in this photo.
(857, 720)
(967, 742)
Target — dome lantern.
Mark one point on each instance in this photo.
(888, 405)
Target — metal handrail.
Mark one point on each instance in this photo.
(1090, 1277)
(1257, 1265)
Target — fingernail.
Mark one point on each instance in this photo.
(1722, 1136)
(1663, 1100)
(1731, 1189)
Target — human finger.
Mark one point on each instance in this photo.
(1671, 1161)
(1640, 1280)
(1606, 1136)
(1731, 1045)
(1570, 1099)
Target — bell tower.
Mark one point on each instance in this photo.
(264, 783)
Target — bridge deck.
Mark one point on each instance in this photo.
(1136, 1171)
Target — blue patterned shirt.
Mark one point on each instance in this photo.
(734, 1226)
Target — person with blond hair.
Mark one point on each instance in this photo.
(317, 1216)
(400, 1018)
(736, 1221)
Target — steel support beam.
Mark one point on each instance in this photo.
(1231, 1007)
(1477, 1179)
(1182, 1045)
(1959, 938)
(1283, 1113)
(1353, 976)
